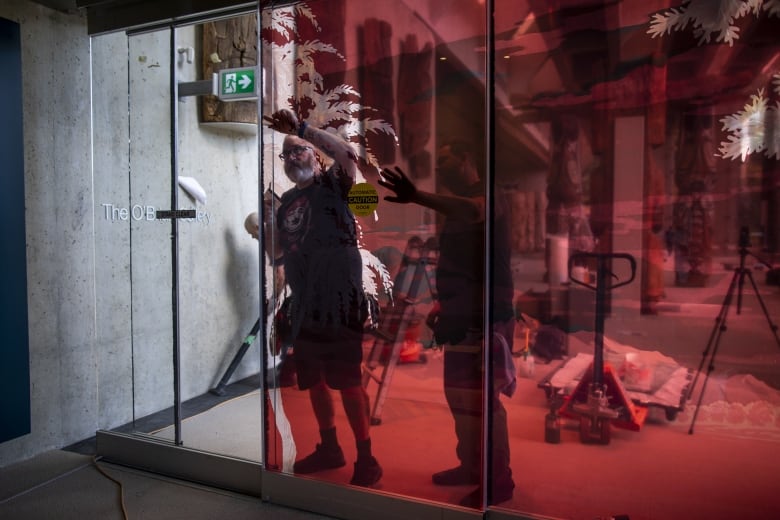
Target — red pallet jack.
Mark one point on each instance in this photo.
(599, 400)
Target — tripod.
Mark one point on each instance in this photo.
(711, 350)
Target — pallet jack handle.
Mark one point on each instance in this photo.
(603, 271)
(599, 399)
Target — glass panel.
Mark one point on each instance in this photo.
(419, 73)
(642, 131)
(217, 304)
(150, 240)
(218, 259)
(132, 181)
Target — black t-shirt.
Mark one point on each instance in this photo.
(460, 274)
(319, 239)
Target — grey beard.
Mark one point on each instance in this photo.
(297, 174)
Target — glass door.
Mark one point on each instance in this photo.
(177, 183)
(219, 306)
(132, 119)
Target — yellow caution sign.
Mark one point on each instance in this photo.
(362, 199)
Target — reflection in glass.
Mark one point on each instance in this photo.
(458, 316)
(626, 124)
(402, 373)
(618, 129)
(316, 239)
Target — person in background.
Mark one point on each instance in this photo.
(252, 225)
(458, 320)
(316, 239)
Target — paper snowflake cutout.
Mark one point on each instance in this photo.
(710, 18)
(754, 129)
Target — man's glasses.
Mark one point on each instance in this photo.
(294, 150)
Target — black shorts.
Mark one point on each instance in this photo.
(330, 354)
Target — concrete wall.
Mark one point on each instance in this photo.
(217, 259)
(60, 222)
(99, 284)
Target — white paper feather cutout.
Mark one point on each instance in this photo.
(193, 188)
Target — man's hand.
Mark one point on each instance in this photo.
(397, 181)
(283, 121)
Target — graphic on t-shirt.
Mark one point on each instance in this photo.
(295, 221)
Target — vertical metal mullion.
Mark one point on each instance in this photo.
(130, 229)
(174, 99)
(487, 386)
(264, 310)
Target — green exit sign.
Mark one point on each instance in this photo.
(237, 84)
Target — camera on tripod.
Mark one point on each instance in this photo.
(737, 283)
(744, 237)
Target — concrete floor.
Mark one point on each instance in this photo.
(65, 485)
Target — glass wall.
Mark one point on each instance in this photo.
(405, 86)
(644, 131)
(629, 207)
(541, 279)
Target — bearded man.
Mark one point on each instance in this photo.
(316, 240)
